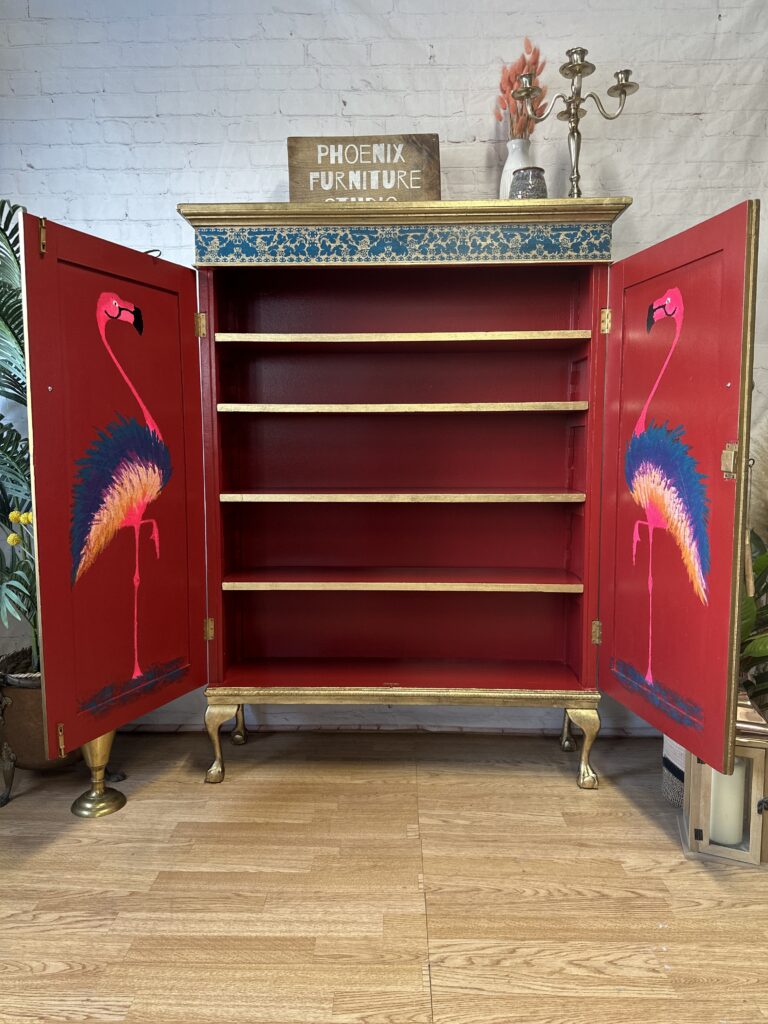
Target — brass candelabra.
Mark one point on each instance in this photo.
(577, 68)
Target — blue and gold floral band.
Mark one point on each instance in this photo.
(558, 231)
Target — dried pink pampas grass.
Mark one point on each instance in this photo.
(529, 62)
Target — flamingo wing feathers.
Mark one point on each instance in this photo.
(661, 472)
(124, 469)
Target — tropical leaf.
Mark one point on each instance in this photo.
(757, 647)
(17, 590)
(14, 462)
(11, 311)
(748, 615)
(13, 371)
(10, 252)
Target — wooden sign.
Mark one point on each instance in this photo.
(364, 168)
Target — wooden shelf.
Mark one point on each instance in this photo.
(311, 675)
(408, 407)
(543, 497)
(544, 581)
(453, 338)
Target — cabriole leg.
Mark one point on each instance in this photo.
(215, 716)
(239, 733)
(99, 799)
(588, 720)
(567, 742)
(9, 768)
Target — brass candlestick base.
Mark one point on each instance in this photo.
(98, 800)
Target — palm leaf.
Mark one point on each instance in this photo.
(11, 310)
(10, 252)
(14, 462)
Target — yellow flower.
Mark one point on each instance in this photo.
(13, 539)
(26, 518)
(15, 516)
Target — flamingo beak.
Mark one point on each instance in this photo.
(138, 320)
(651, 317)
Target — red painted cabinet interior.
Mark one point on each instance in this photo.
(453, 546)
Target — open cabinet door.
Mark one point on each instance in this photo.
(115, 432)
(679, 378)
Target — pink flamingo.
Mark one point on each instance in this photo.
(664, 480)
(125, 469)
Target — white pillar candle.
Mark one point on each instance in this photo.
(726, 807)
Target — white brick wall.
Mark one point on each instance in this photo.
(113, 112)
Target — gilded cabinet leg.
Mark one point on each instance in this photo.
(567, 742)
(239, 733)
(98, 800)
(588, 720)
(215, 716)
(9, 768)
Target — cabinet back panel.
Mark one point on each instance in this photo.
(333, 624)
(247, 375)
(510, 536)
(344, 299)
(390, 452)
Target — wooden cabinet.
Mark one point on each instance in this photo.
(443, 452)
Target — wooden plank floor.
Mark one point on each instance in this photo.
(377, 878)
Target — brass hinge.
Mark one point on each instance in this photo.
(41, 238)
(60, 737)
(605, 321)
(208, 632)
(729, 460)
(201, 325)
(597, 631)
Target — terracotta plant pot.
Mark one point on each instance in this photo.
(22, 729)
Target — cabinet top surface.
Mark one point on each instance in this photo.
(476, 211)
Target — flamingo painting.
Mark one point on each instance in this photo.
(123, 471)
(664, 481)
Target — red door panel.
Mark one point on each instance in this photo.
(117, 480)
(678, 390)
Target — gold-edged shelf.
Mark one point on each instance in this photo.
(401, 407)
(418, 337)
(405, 497)
(453, 579)
(473, 211)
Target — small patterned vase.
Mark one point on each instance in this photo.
(528, 183)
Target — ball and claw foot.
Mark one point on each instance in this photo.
(239, 733)
(588, 720)
(9, 768)
(215, 716)
(567, 742)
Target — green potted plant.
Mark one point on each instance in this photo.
(754, 630)
(22, 733)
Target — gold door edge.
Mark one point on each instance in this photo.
(740, 512)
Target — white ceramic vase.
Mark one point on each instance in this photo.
(518, 155)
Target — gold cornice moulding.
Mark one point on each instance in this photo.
(475, 211)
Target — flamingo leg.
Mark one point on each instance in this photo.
(136, 581)
(636, 537)
(155, 534)
(649, 673)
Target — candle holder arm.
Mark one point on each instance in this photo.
(538, 118)
(601, 108)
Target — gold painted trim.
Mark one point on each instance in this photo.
(400, 695)
(569, 497)
(589, 261)
(397, 407)
(477, 211)
(389, 338)
(740, 512)
(405, 585)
